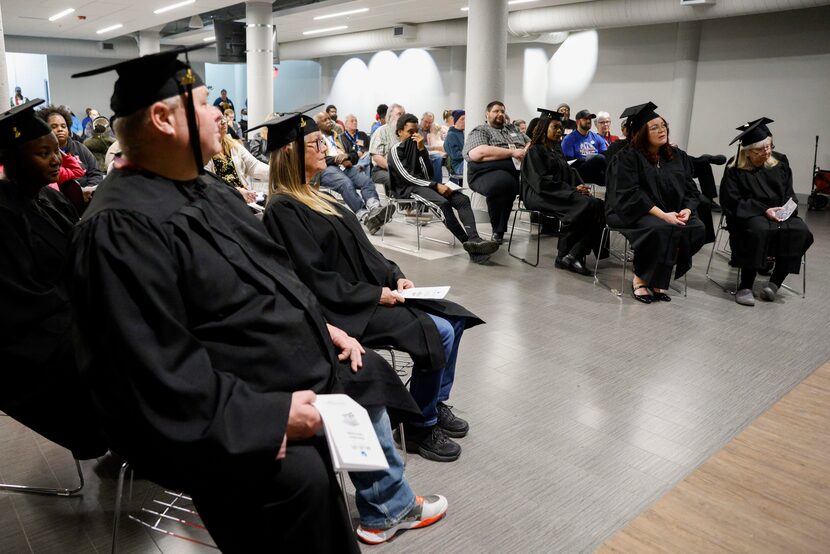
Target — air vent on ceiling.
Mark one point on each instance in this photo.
(404, 31)
(106, 46)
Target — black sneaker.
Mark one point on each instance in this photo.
(432, 443)
(478, 246)
(452, 426)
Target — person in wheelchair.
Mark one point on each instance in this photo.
(549, 185)
(360, 292)
(756, 186)
(410, 172)
(652, 199)
(41, 388)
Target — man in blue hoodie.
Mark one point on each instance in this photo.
(587, 148)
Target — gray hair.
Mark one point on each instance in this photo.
(603, 115)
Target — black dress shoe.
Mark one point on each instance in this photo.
(561, 263)
(660, 296)
(578, 266)
(644, 298)
(498, 238)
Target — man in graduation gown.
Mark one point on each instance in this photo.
(41, 385)
(203, 352)
(548, 186)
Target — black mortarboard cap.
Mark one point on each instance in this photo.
(753, 131)
(549, 114)
(288, 127)
(20, 124)
(639, 115)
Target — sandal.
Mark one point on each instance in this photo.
(644, 298)
(660, 296)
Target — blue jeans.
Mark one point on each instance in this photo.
(428, 388)
(347, 182)
(437, 166)
(383, 497)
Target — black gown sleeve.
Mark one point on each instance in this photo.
(631, 202)
(691, 198)
(540, 175)
(292, 229)
(125, 275)
(733, 198)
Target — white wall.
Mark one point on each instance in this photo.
(30, 73)
(229, 76)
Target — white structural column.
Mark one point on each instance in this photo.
(486, 57)
(458, 61)
(148, 43)
(260, 58)
(4, 71)
(683, 86)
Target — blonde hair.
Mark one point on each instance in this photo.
(228, 145)
(284, 178)
(741, 161)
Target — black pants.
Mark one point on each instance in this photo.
(466, 229)
(500, 186)
(592, 170)
(381, 177)
(584, 233)
(300, 509)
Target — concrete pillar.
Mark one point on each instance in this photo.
(457, 77)
(4, 71)
(687, 51)
(486, 57)
(148, 43)
(260, 58)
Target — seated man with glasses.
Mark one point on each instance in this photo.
(344, 178)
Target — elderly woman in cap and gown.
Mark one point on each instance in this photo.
(548, 185)
(39, 372)
(755, 187)
(652, 199)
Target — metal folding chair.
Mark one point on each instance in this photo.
(422, 207)
(540, 217)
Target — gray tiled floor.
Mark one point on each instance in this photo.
(584, 408)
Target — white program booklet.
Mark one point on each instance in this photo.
(426, 293)
(452, 185)
(786, 210)
(351, 438)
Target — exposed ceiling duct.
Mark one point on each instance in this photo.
(120, 49)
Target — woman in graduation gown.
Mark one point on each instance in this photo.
(359, 291)
(652, 199)
(548, 186)
(755, 186)
(41, 385)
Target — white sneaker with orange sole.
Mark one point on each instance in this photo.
(427, 510)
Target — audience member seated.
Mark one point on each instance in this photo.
(494, 152)
(356, 144)
(449, 121)
(411, 173)
(548, 185)
(521, 126)
(331, 111)
(652, 197)
(568, 124)
(344, 178)
(380, 118)
(359, 291)
(755, 187)
(620, 143)
(100, 141)
(234, 130)
(383, 140)
(258, 142)
(59, 119)
(436, 151)
(603, 124)
(220, 348)
(92, 114)
(384, 498)
(40, 375)
(235, 165)
(223, 102)
(586, 148)
(87, 120)
(531, 126)
(454, 143)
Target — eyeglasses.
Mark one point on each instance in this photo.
(319, 145)
(657, 128)
(762, 150)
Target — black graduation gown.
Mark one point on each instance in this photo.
(41, 387)
(745, 196)
(195, 330)
(335, 259)
(635, 185)
(547, 186)
(614, 148)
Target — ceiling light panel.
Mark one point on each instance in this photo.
(341, 14)
(174, 6)
(63, 13)
(326, 30)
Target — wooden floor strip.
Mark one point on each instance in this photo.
(767, 491)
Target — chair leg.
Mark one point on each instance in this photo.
(403, 443)
(625, 265)
(46, 491)
(342, 476)
(116, 518)
(601, 244)
(530, 238)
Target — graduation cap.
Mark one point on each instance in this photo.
(638, 116)
(549, 114)
(753, 131)
(20, 124)
(148, 79)
(288, 127)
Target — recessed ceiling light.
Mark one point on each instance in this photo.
(108, 29)
(174, 6)
(339, 14)
(326, 30)
(208, 39)
(58, 15)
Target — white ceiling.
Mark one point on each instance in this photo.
(30, 17)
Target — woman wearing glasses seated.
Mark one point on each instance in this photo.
(548, 186)
(236, 166)
(652, 198)
(755, 189)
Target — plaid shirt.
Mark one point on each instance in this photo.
(383, 140)
(506, 137)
